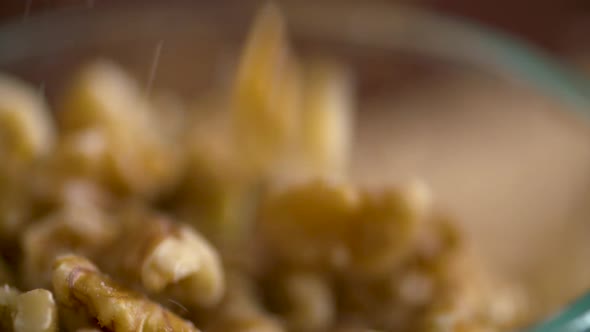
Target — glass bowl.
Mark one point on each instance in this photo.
(490, 123)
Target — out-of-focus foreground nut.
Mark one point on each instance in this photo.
(33, 311)
(219, 194)
(26, 129)
(305, 300)
(81, 228)
(78, 283)
(15, 209)
(384, 229)
(308, 224)
(140, 159)
(27, 134)
(241, 309)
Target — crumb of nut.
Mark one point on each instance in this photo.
(77, 282)
(33, 311)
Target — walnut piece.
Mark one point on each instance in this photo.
(169, 258)
(104, 99)
(78, 227)
(26, 129)
(33, 311)
(79, 284)
(267, 93)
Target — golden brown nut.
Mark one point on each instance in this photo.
(267, 94)
(84, 154)
(104, 96)
(26, 129)
(327, 120)
(105, 99)
(33, 311)
(6, 276)
(79, 227)
(15, 208)
(403, 298)
(27, 135)
(79, 284)
(218, 193)
(8, 297)
(472, 301)
(241, 309)
(385, 228)
(308, 224)
(171, 259)
(337, 227)
(305, 300)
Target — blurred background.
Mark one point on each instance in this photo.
(559, 26)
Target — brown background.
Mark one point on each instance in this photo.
(561, 26)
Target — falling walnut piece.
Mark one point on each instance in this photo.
(78, 283)
(267, 93)
(327, 120)
(33, 311)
